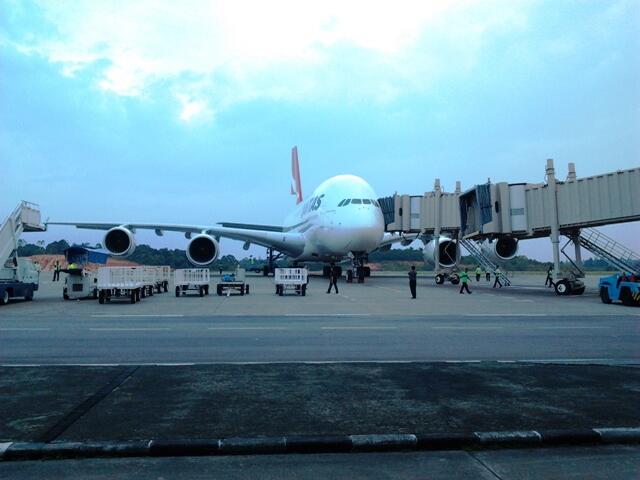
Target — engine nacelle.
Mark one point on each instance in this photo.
(501, 249)
(448, 250)
(119, 241)
(202, 250)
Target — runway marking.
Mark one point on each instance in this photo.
(359, 328)
(123, 315)
(130, 329)
(523, 300)
(563, 327)
(392, 289)
(23, 329)
(247, 328)
(468, 327)
(326, 315)
(507, 315)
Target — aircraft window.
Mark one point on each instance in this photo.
(366, 201)
(356, 200)
(346, 202)
(342, 203)
(375, 202)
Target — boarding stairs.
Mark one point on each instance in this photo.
(488, 266)
(24, 218)
(618, 256)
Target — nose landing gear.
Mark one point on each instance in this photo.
(358, 268)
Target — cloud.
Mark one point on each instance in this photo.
(221, 53)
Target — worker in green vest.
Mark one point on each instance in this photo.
(478, 273)
(464, 280)
(497, 274)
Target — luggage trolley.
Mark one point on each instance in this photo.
(234, 281)
(191, 279)
(119, 282)
(292, 280)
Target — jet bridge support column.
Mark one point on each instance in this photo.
(555, 226)
(437, 224)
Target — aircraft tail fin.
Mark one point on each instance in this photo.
(296, 186)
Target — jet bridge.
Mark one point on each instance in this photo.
(528, 210)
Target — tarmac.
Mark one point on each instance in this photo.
(368, 365)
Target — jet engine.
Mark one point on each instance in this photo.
(119, 241)
(202, 250)
(501, 249)
(448, 250)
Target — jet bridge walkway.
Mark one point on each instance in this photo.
(572, 208)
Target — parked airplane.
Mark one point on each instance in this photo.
(342, 219)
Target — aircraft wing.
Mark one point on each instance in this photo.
(289, 243)
(390, 238)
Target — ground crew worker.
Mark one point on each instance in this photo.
(497, 273)
(333, 277)
(549, 281)
(464, 280)
(412, 280)
(478, 273)
(56, 271)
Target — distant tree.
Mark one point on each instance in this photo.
(30, 249)
(57, 248)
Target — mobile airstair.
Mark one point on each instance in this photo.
(618, 256)
(24, 218)
(18, 276)
(488, 266)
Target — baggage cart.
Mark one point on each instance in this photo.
(120, 283)
(191, 279)
(292, 280)
(163, 274)
(234, 282)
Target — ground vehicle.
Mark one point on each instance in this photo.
(625, 288)
(194, 279)
(291, 279)
(234, 281)
(119, 282)
(80, 282)
(20, 279)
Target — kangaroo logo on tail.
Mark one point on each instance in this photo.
(296, 186)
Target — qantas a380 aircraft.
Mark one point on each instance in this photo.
(342, 219)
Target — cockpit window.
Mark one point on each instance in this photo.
(366, 201)
(356, 200)
(375, 202)
(342, 202)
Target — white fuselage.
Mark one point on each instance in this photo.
(334, 227)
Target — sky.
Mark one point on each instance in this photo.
(186, 112)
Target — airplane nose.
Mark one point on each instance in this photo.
(366, 231)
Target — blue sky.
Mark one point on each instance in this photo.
(185, 112)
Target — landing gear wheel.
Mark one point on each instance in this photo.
(101, 297)
(137, 295)
(29, 295)
(201, 291)
(304, 290)
(95, 293)
(133, 297)
(439, 279)
(246, 289)
(626, 298)
(65, 295)
(144, 292)
(454, 279)
(219, 290)
(578, 291)
(563, 288)
(4, 299)
(206, 289)
(604, 295)
(166, 287)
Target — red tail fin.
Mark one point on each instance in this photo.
(296, 186)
